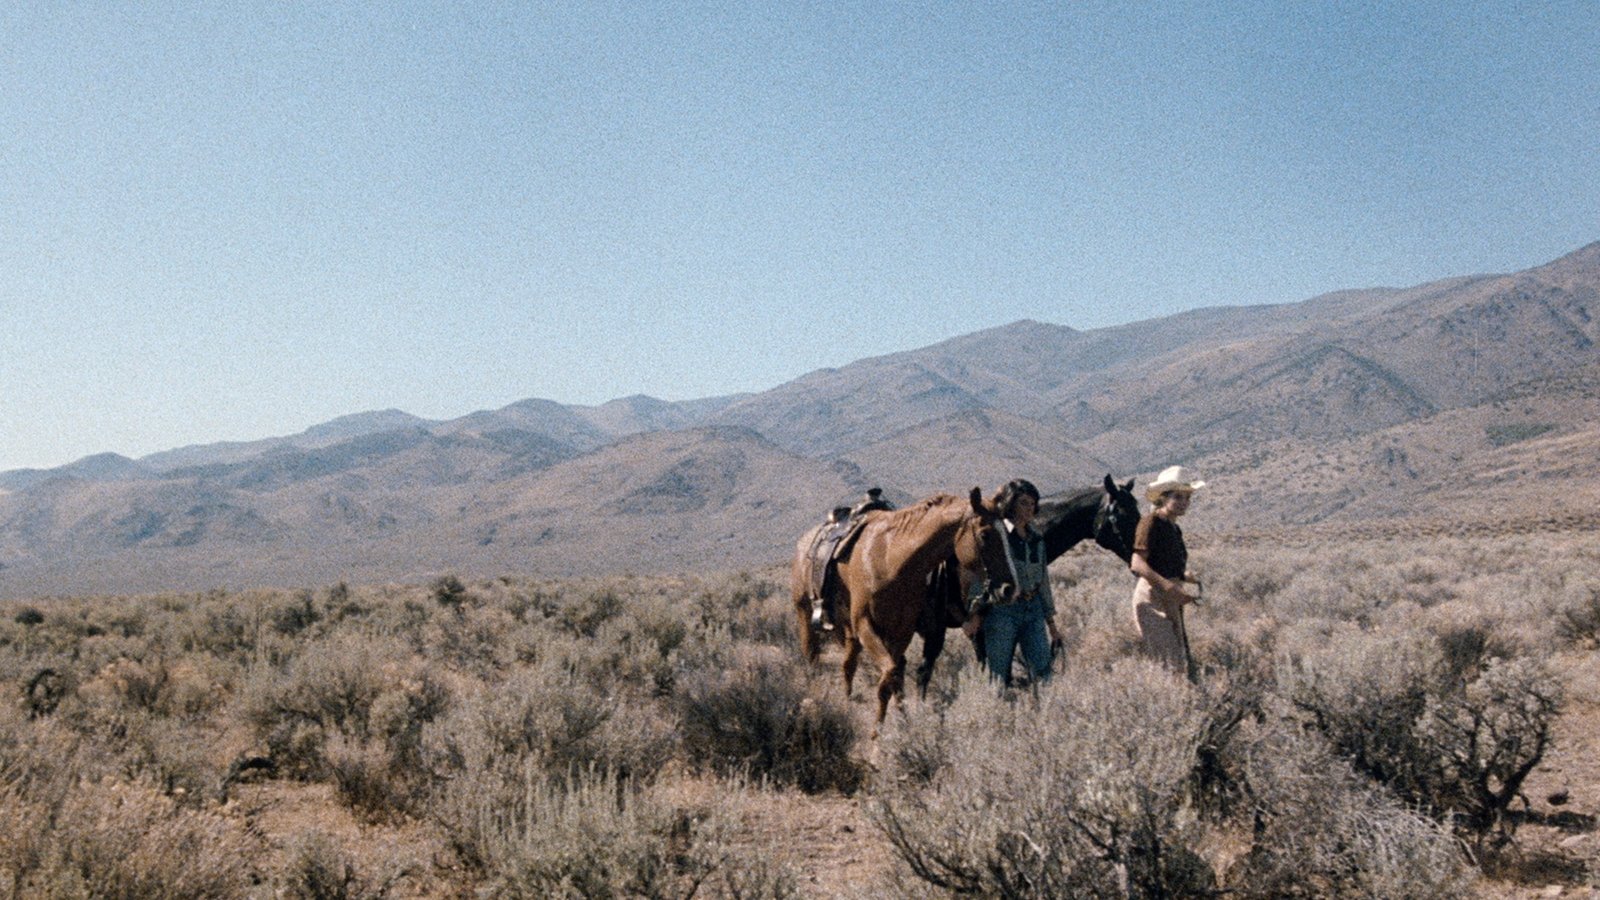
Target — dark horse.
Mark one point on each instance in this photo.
(1108, 513)
(884, 573)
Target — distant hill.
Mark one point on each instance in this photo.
(1470, 399)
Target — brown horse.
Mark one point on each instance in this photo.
(883, 578)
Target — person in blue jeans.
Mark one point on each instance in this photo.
(1028, 620)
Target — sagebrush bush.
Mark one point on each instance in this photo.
(1578, 616)
(1445, 728)
(369, 785)
(331, 683)
(590, 834)
(1484, 739)
(756, 720)
(1320, 830)
(547, 715)
(121, 840)
(319, 869)
(1081, 792)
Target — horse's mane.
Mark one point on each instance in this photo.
(1074, 498)
(911, 516)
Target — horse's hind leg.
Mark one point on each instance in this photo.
(932, 646)
(852, 658)
(808, 637)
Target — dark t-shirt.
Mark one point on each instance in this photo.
(1161, 542)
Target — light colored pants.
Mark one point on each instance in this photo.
(1160, 629)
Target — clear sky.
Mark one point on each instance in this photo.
(228, 221)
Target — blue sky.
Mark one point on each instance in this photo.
(232, 221)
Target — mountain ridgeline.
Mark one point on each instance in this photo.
(1472, 399)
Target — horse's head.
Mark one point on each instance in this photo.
(1117, 519)
(981, 546)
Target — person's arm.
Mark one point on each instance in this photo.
(1165, 587)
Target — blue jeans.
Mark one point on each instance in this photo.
(1004, 627)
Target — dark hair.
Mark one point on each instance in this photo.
(1016, 487)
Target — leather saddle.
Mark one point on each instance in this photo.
(830, 543)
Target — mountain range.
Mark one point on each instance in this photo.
(1471, 400)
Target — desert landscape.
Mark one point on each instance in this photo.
(1373, 717)
(549, 651)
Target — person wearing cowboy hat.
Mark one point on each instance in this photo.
(1161, 562)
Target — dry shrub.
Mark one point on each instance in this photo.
(111, 839)
(1578, 615)
(293, 615)
(754, 719)
(1322, 831)
(473, 639)
(1452, 733)
(369, 784)
(547, 715)
(594, 835)
(318, 867)
(1081, 793)
(332, 685)
(175, 757)
(1485, 739)
(584, 616)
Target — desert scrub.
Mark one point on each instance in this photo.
(117, 839)
(546, 716)
(1320, 830)
(318, 867)
(1080, 792)
(330, 687)
(754, 719)
(594, 835)
(1452, 739)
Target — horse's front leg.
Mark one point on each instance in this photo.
(892, 686)
(891, 659)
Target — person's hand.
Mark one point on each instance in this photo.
(1055, 633)
(971, 625)
(1176, 593)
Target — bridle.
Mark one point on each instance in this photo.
(1108, 528)
(997, 532)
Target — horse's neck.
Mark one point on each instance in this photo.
(913, 555)
(1068, 520)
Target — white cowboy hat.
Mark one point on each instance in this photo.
(1172, 478)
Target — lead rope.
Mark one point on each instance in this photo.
(1011, 564)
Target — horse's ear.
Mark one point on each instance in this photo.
(977, 499)
(1129, 486)
(1111, 486)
